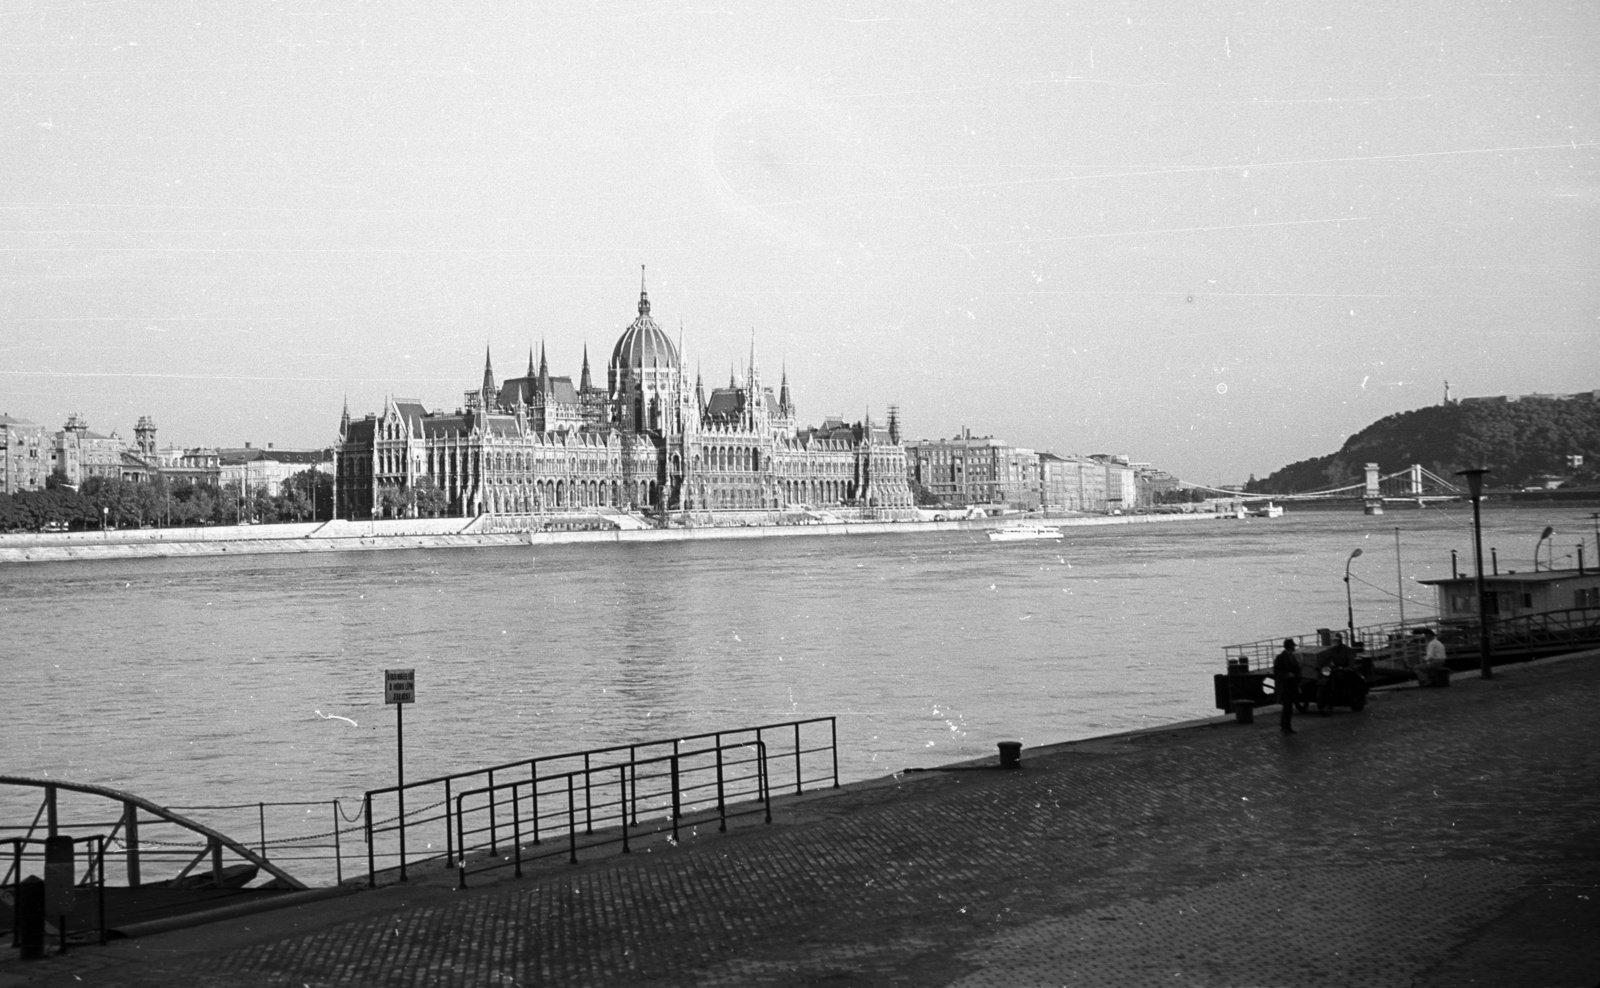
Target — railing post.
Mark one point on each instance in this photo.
(534, 782)
(100, 842)
(372, 867)
(676, 805)
(722, 806)
(261, 811)
(338, 847)
(765, 782)
(572, 823)
(797, 775)
(449, 828)
(494, 845)
(516, 829)
(588, 810)
(833, 733)
(461, 847)
(130, 829)
(622, 805)
(633, 783)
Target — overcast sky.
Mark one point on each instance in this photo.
(1218, 237)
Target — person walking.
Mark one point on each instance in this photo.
(1286, 684)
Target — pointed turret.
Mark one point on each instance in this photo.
(584, 384)
(699, 391)
(544, 371)
(531, 371)
(488, 372)
(644, 297)
(344, 425)
(785, 405)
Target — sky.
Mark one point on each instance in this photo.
(1215, 237)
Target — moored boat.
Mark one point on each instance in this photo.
(1025, 531)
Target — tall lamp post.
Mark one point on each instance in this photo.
(1548, 531)
(1349, 607)
(1475, 490)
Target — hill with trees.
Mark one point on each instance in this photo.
(1521, 440)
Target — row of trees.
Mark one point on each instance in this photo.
(425, 497)
(307, 496)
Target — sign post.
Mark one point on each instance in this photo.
(400, 688)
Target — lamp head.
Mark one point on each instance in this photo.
(1355, 554)
(1474, 480)
(1549, 530)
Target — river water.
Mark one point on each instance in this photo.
(261, 678)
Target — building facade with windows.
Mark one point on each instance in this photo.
(25, 455)
(647, 440)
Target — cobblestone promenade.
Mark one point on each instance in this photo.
(1442, 837)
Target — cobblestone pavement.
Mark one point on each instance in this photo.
(1441, 837)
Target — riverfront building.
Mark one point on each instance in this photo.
(645, 440)
(24, 455)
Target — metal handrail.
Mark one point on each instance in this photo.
(97, 868)
(624, 808)
(533, 768)
(1567, 626)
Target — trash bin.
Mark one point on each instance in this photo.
(1244, 711)
(1011, 754)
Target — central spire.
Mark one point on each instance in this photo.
(644, 297)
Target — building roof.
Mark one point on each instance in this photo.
(1504, 579)
(643, 344)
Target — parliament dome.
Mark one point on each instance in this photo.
(643, 345)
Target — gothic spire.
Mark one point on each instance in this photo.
(584, 384)
(544, 371)
(785, 406)
(531, 372)
(488, 374)
(644, 298)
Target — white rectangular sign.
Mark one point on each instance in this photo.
(399, 686)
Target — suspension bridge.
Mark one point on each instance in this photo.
(1413, 485)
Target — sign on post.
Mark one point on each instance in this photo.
(399, 685)
(400, 688)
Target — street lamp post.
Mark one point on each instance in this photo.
(1548, 531)
(1349, 606)
(1475, 490)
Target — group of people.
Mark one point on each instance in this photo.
(1286, 671)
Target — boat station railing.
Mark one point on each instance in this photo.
(164, 845)
(77, 916)
(419, 822)
(1400, 645)
(527, 811)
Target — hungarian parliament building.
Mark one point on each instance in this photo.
(647, 442)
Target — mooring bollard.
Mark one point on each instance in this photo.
(30, 917)
(1244, 711)
(1011, 754)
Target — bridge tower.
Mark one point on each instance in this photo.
(1416, 479)
(1373, 496)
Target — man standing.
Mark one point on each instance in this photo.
(1432, 658)
(1286, 684)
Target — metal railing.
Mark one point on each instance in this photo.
(671, 788)
(156, 845)
(1400, 644)
(798, 754)
(94, 877)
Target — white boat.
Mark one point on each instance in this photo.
(1023, 532)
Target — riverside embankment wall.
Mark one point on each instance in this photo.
(446, 533)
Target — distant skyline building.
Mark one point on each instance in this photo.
(538, 443)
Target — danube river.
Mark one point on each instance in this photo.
(260, 678)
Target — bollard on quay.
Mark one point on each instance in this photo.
(30, 917)
(1244, 711)
(1011, 754)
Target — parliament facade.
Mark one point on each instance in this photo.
(647, 441)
